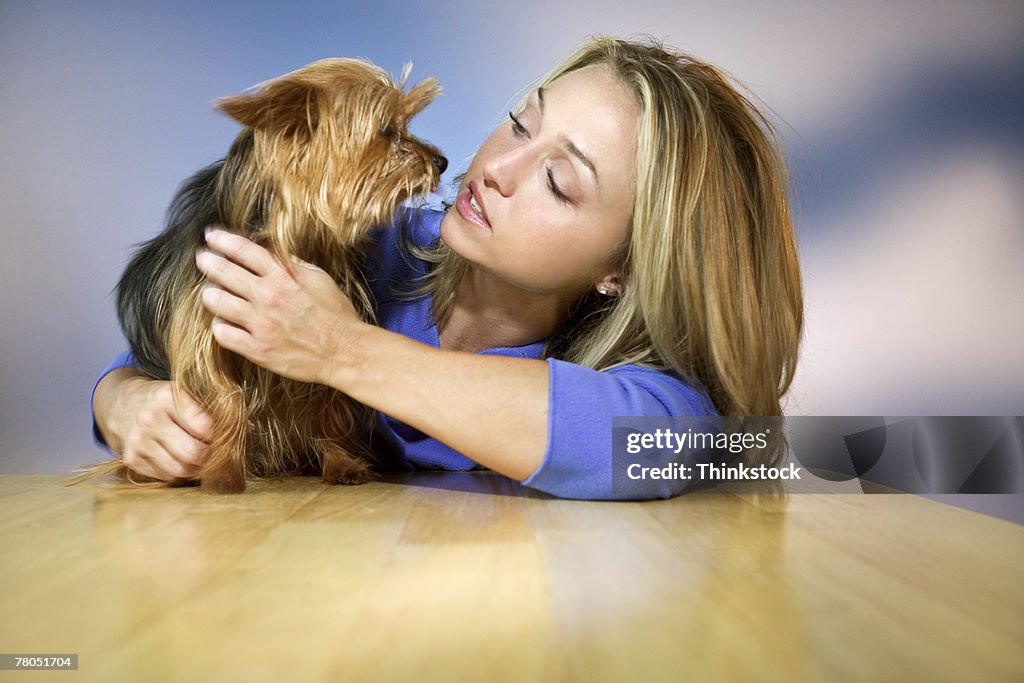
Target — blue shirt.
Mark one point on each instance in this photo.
(581, 404)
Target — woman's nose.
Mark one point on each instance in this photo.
(502, 170)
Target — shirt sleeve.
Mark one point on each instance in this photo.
(124, 360)
(582, 402)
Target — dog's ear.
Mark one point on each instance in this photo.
(285, 105)
(419, 96)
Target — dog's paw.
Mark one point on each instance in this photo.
(346, 470)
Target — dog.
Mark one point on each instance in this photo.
(325, 155)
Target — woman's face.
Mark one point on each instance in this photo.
(547, 199)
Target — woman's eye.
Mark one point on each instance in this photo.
(557, 191)
(517, 128)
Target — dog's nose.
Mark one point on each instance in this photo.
(441, 163)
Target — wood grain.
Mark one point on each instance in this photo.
(468, 576)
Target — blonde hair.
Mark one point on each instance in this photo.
(711, 284)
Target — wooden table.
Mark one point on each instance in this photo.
(444, 577)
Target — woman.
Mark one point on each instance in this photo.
(622, 246)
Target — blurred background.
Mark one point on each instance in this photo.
(903, 123)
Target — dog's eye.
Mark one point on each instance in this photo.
(387, 130)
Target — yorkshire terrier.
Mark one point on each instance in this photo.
(325, 156)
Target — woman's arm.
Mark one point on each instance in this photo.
(296, 322)
(493, 409)
(546, 423)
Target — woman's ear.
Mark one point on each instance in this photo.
(609, 285)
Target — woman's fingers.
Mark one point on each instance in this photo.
(180, 453)
(225, 273)
(165, 456)
(160, 463)
(190, 416)
(168, 436)
(233, 338)
(227, 306)
(241, 250)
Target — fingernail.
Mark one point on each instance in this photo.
(206, 232)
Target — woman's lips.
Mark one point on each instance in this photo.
(464, 205)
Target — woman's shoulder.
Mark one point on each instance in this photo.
(390, 260)
(416, 226)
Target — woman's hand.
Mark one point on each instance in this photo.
(158, 433)
(292, 322)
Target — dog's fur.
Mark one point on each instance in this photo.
(325, 156)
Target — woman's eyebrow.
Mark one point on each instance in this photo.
(573, 149)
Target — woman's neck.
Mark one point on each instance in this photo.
(488, 313)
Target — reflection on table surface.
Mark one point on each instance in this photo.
(442, 576)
